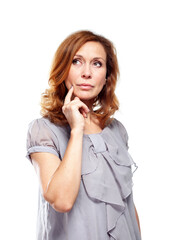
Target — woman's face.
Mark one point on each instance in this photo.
(87, 73)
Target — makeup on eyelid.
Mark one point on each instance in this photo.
(78, 61)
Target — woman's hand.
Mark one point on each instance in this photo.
(75, 111)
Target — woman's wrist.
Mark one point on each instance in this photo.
(76, 132)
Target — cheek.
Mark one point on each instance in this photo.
(101, 75)
(68, 81)
(101, 83)
(72, 76)
(102, 80)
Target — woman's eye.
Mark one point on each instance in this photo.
(76, 61)
(98, 64)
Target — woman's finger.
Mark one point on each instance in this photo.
(68, 96)
(83, 113)
(83, 108)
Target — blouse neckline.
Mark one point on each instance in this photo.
(94, 134)
(99, 133)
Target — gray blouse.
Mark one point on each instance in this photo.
(104, 207)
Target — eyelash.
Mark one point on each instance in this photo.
(78, 60)
(98, 62)
(75, 61)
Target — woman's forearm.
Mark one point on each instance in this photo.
(138, 222)
(64, 185)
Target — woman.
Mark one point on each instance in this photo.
(79, 150)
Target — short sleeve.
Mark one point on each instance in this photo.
(40, 138)
(123, 132)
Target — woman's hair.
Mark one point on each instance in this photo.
(105, 104)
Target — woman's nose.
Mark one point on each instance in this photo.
(86, 72)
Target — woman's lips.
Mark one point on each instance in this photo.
(85, 86)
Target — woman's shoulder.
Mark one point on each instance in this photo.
(39, 124)
(45, 123)
(116, 123)
(42, 137)
(119, 128)
(41, 121)
(42, 129)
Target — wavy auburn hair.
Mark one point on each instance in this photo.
(105, 104)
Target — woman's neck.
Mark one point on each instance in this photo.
(91, 125)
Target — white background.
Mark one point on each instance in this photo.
(30, 34)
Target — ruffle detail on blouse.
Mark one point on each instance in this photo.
(107, 177)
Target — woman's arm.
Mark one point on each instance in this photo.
(138, 222)
(60, 180)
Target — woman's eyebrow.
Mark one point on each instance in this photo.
(79, 56)
(95, 58)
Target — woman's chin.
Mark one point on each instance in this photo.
(83, 95)
(84, 98)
